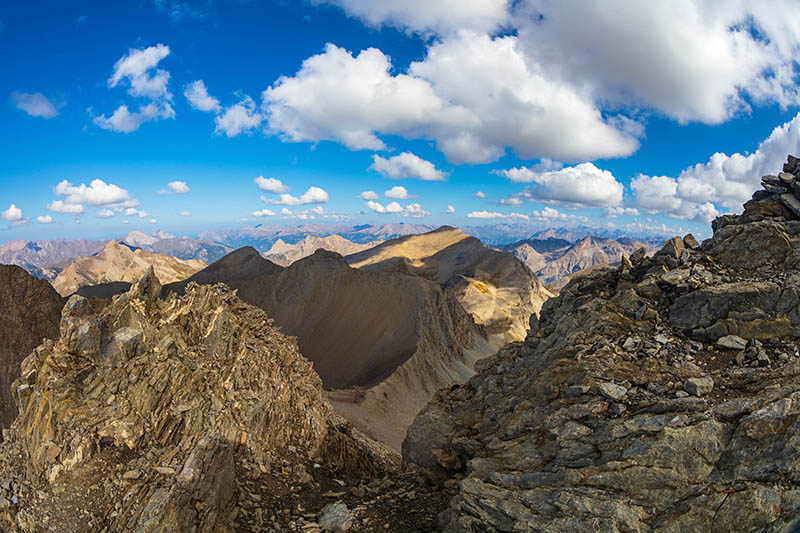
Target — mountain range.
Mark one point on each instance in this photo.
(285, 254)
(554, 259)
(385, 335)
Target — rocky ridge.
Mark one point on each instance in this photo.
(384, 342)
(494, 287)
(190, 413)
(660, 395)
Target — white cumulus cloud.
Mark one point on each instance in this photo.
(175, 187)
(185, 213)
(473, 119)
(12, 214)
(368, 195)
(264, 213)
(198, 97)
(392, 207)
(398, 193)
(406, 165)
(415, 211)
(494, 214)
(138, 70)
(240, 118)
(581, 185)
(314, 195)
(35, 104)
(105, 213)
(59, 206)
(480, 194)
(450, 210)
(97, 193)
(272, 185)
(689, 59)
(614, 212)
(442, 16)
(44, 219)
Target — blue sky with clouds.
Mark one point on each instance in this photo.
(163, 114)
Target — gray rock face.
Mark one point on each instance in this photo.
(702, 440)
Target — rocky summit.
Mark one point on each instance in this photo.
(190, 413)
(660, 395)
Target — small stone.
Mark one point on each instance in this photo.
(617, 409)
(574, 391)
(661, 339)
(335, 517)
(681, 394)
(675, 277)
(612, 391)
(787, 178)
(699, 386)
(731, 342)
(629, 344)
(775, 189)
(625, 263)
(131, 475)
(165, 470)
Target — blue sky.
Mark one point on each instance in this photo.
(422, 104)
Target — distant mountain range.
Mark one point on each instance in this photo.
(555, 259)
(47, 258)
(262, 238)
(285, 254)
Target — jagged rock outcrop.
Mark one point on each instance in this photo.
(285, 254)
(389, 340)
(122, 263)
(660, 395)
(497, 289)
(31, 309)
(150, 415)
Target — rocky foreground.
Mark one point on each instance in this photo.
(662, 395)
(190, 413)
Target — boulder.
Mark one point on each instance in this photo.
(699, 386)
(731, 342)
